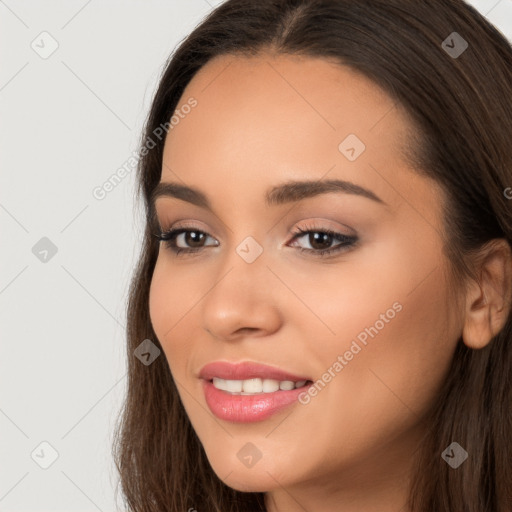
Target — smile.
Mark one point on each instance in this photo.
(255, 386)
(249, 391)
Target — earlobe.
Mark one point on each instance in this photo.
(488, 301)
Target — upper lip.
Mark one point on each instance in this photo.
(245, 370)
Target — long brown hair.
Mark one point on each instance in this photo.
(462, 109)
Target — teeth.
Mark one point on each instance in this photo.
(233, 386)
(270, 385)
(286, 385)
(254, 386)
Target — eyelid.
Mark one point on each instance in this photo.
(345, 242)
(318, 223)
(182, 224)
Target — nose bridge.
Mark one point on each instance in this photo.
(248, 234)
(250, 255)
(241, 296)
(244, 271)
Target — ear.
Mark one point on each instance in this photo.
(488, 300)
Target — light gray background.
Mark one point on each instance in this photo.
(67, 123)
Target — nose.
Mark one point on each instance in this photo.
(243, 301)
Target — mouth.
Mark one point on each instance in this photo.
(257, 386)
(248, 391)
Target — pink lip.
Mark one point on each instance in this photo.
(245, 370)
(247, 408)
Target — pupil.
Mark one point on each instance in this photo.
(319, 238)
(192, 237)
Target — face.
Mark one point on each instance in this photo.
(368, 325)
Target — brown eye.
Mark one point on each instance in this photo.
(321, 241)
(193, 239)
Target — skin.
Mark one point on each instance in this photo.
(259, 122)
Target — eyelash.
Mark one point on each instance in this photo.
(346, 241)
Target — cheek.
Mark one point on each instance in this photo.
(397, 344)
(159, 307)
(170, 305)
(390, 320)
(411, 358)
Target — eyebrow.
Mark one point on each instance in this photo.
(290, 191)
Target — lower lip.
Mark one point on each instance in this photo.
(248, 408)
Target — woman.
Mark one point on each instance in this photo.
(326, 267)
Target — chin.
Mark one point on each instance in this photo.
(262, 477)
(246, 481)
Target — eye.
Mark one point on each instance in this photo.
(321, 241)
(191, 237)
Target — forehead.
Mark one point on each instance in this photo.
(289, 98)
(266, 119)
